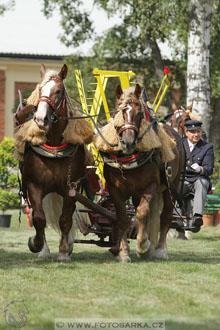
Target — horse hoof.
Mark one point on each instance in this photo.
(63, 258)
(32, 246)
(70, 249)
(142, 248)
(160, 254)
(126, 259)
(44, 256)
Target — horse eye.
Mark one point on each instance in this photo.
(58, 92)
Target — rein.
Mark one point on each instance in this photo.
(147, 129)
(132, 125)
(48, 100)
(98, 130)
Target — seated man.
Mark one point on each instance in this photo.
(199, 166)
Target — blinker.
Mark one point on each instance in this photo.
(53, 118)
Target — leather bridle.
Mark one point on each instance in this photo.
(177, 123)
(129, 124)
(48, 100)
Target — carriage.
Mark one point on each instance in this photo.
(102, 203)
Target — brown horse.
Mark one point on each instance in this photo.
(180, 115)
(54, 166)
(147, 184)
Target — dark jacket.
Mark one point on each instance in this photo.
(202, 154)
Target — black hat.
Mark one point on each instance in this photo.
(192, 125)
(168, 116)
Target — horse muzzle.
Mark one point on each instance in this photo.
(42, 123)
(128, 138)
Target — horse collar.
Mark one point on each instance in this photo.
(62, 151)
(129, 162)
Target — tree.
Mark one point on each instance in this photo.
(198, 73)
(143, 27)
(7, 5)
(137, 35)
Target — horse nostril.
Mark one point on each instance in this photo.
(46, 121)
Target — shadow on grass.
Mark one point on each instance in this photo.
(12, 259)
(197, 258)
(45, 325)
(207, 238)
(207, 325)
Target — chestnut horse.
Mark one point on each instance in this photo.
(44, 170)
(180, 115)
(146, 184)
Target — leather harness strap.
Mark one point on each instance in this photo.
(65, 150)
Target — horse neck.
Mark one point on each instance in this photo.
(55, 133)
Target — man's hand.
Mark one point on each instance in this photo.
(196, 167)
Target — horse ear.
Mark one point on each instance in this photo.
(190, 107)
(137, 91)
(42, 71)
(174, 107)
(63, 72)
(118, 91)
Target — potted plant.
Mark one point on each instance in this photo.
(217, 193)
(210, 210)
(208, 217)
(9, 198)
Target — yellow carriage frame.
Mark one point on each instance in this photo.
(99, 98)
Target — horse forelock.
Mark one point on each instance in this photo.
(48, 76)
(128, 94)
(35, 95)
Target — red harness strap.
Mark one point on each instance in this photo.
(48, 101)
(122, 159)
(54, 148)
(147, 114)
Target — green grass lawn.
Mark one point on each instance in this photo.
(184, 291)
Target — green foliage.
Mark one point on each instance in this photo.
(13, 181)
(141, 26)
(215, 50)
(25, 95)
(135, 37)
(217, 189)
(8, 200)
(8, 179)
(75, 20)
(6, 5)
(216, 171)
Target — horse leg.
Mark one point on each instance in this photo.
(142, 243)
(165, 219)
(36, 242)
(45, 252)
(70, 243)
(65, 223)
(123, 224)
(142, 214)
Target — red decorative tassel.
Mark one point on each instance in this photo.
(166, 70)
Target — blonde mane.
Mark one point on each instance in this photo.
(35, 95)
(77, 130)
(151, 140)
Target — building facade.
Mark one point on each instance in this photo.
(19, 71)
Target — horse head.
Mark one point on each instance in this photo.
(51, 102)
(180, 115)
(129, 102)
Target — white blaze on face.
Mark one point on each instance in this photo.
(178, 113)
(43, 106)
(129, 107)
